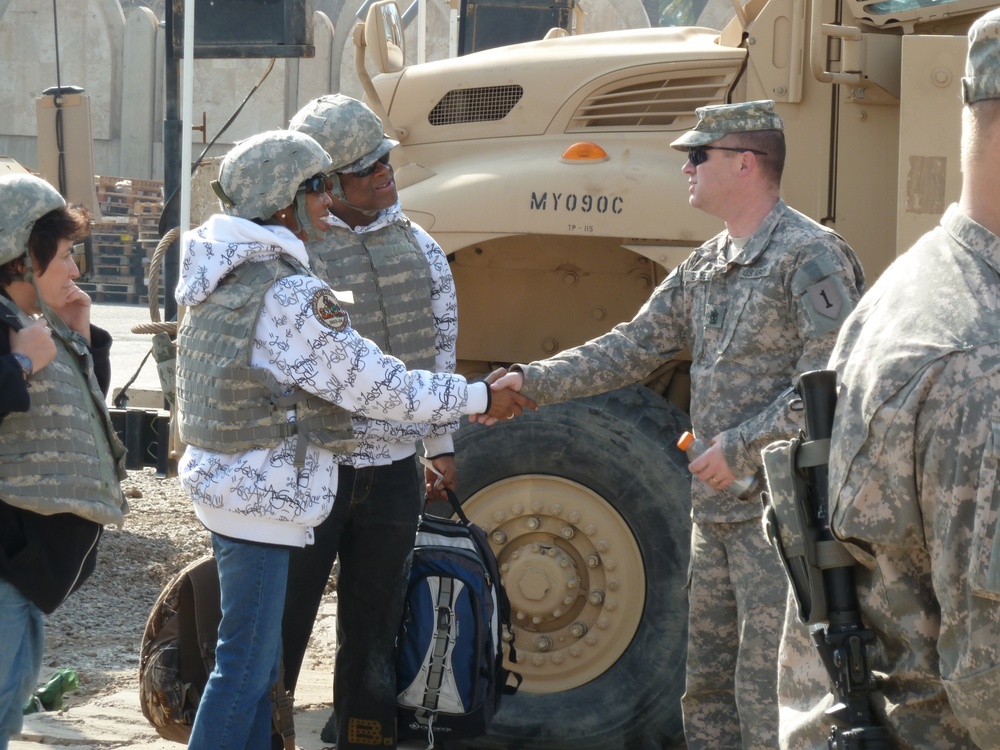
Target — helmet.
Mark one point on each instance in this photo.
(261, 174)
(24, 199)
(349, 131)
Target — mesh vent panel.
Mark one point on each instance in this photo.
(483, 104)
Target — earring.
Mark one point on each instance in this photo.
(282, 214)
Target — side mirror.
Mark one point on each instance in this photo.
(384, 36)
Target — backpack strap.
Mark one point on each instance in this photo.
(439, 651)
(282, 705)
(204, 580)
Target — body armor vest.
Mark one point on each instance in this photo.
(63, 454)
(390, 278)
(224, 404)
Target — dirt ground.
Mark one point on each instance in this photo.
(98, 630)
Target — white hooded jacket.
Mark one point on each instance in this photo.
(259, 495)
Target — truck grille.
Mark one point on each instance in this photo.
(482, 104)
(650, 102)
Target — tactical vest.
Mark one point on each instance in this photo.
(391, 281)
(63, 454)
(227, 406)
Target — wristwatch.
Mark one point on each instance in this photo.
(25, 361)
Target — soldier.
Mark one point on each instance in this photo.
(913, 466)
(757, 305)
(403, 299)
(60, 459)
(269, 372)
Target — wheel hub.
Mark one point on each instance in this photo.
(572, 571)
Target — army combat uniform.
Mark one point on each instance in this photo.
(752, 324)
(913, 473)
(913, 476)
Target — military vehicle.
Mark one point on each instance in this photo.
(544, 171)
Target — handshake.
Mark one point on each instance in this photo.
(505, 400)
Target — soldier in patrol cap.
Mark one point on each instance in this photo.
(60, 459)
(403, 299)
(758, 304)
(270, 376)
(913, 485)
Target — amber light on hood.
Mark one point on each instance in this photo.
(584, 151)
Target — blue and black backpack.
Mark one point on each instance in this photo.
(450, 673)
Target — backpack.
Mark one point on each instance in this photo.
(450, 674)
(177, 655)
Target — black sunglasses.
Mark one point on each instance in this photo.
(699, 154)
(370, 169)
(318, 183)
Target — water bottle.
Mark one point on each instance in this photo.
(695, 446)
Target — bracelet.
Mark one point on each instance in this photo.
(489, 397)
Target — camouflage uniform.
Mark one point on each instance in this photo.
(752, 324)
(913, 484)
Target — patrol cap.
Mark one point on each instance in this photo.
(24, 199)
(722, 119)
(261, 174)
(347, 128)
(982, 69)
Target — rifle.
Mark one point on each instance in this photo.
(844, 641)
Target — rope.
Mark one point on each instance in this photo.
(156, 326)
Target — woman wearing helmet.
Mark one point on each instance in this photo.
(269, 377)
(60, 459)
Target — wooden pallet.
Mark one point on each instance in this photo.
(125, 239)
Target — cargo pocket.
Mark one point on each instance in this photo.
(984, 574)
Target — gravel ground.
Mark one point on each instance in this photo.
(98, 630)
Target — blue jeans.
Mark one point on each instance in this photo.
(23, 629)
(235, 709)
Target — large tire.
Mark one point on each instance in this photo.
(588, 507)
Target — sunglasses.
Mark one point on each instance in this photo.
(699, 154)
(318, 183)
(370, 169)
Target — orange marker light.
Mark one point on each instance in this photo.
(584, 151)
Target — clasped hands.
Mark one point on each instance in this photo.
(506, 401)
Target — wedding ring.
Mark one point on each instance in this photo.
(511, 416)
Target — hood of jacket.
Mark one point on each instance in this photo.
(221, 244)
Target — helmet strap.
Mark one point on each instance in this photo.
(338, 192)
(305, 223)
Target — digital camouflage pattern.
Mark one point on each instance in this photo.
(913, 484)
(982, 71)
(391, 282)
(752, 325)
(720, 120)
(24, 199)
(63, 455)
(737, 593)
(347, 128)
(260, 175)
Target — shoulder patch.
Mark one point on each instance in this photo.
(328, 311)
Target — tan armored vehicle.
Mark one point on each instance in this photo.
(544, 171)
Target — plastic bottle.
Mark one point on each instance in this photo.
(695, 446)
(50, 696)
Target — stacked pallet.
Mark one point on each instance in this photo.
(124, 241)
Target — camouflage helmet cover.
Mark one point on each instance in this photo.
(261, 175)
(982, 68)
(24, 199)
(720, 120)
(347, 128)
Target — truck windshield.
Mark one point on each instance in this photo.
(888, 7)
